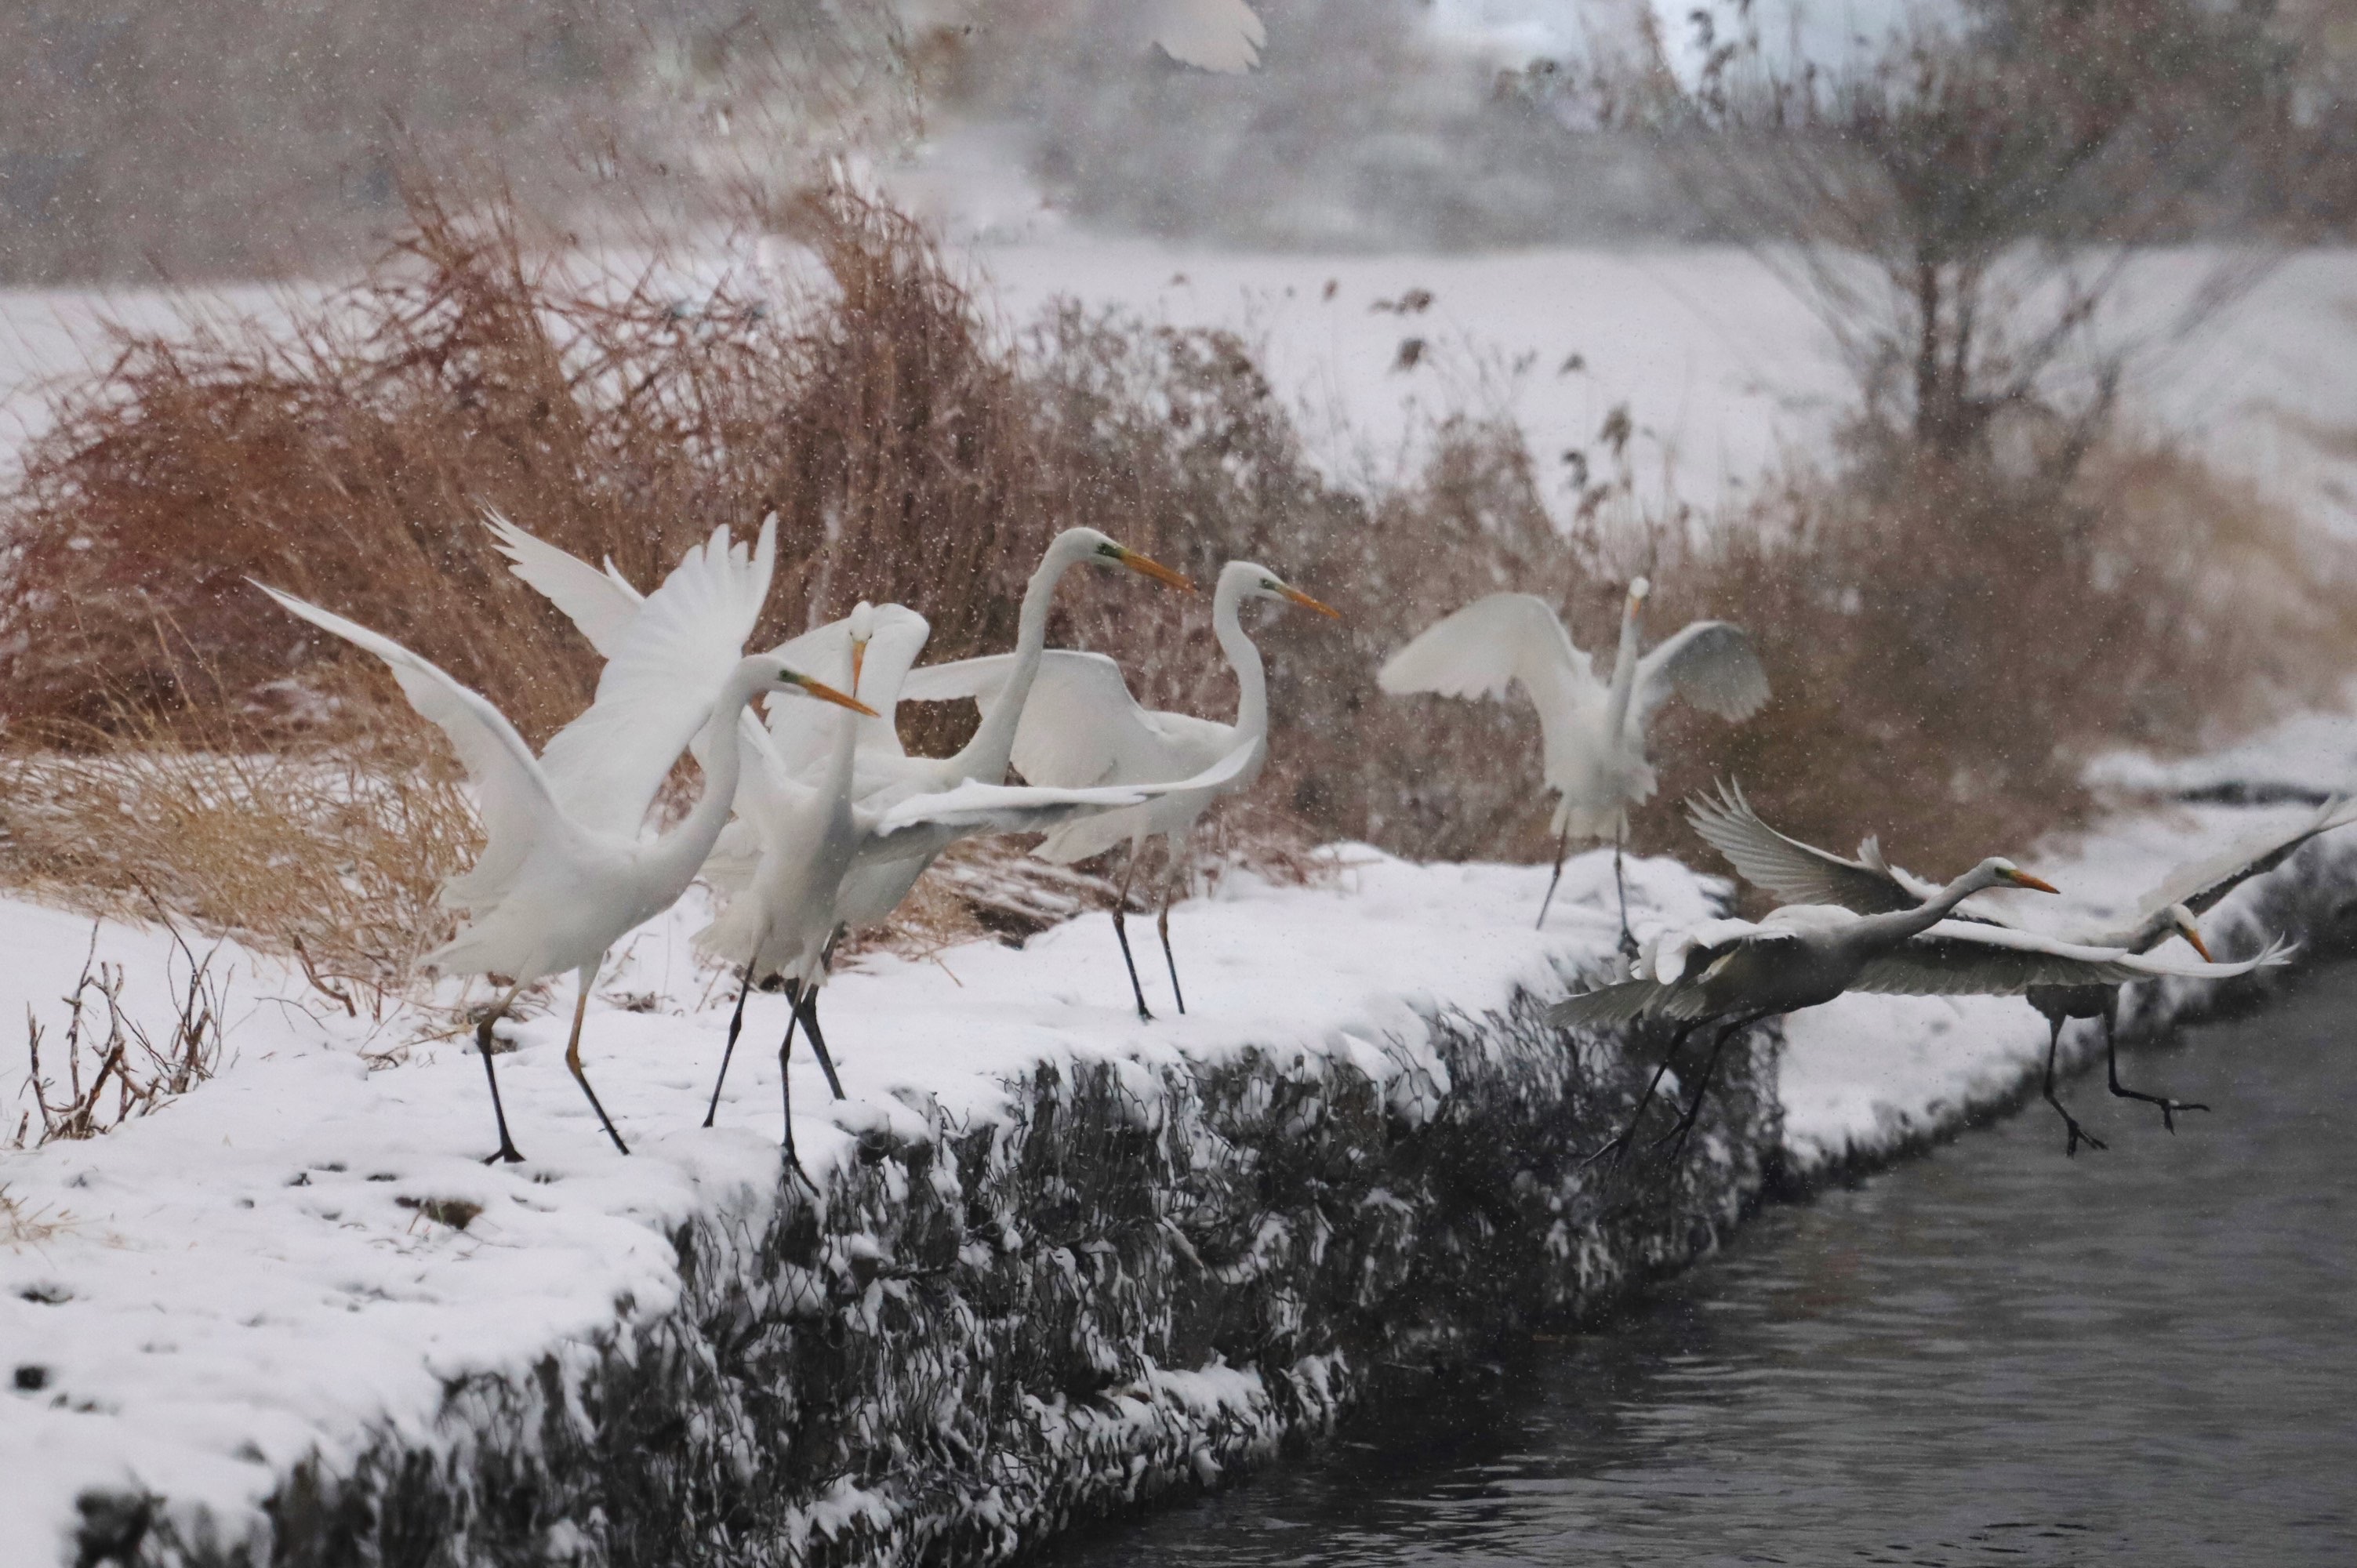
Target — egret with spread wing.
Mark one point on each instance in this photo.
(1593, 732)
(1082, 727)
(565, 871)
(1802, 873)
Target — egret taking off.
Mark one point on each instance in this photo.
(1805, 954)
(1082, 727)
(1800, 872)
(1593, 733)
(563, 872)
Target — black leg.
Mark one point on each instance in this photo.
(2169, 1107)
(1162, 924)
(1619, 1145)
(2078, 1135)
(1121, 932)
(806, 1009)
(507, 1153)
(1628, 942)
(786, 1092)
(736, 1026)
(1702, 1087)
(1561, 848)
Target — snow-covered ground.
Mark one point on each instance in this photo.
(247, 1276)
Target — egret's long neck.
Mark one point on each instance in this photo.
(1882, 932)
(1624, 671)
(681, 853)
(985, 755)
(1251, 678)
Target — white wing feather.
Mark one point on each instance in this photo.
(660, 682)
(512, 793)
(1492, 642)
(600, 605)
(1959, 958)
(2200, 885)
(1710, 663)
(1081, 727)
(825, 652)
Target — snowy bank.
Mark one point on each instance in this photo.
(1064, 1260)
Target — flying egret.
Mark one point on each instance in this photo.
(1802, 955)
(1802, 873)
(1083, 727)
(1593, 733)
(563, 873)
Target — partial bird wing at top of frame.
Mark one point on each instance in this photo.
(2202, 884)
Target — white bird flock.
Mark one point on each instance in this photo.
(813, 818)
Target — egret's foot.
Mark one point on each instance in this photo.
(2169, 1107)
(2078, 1135)
(507, 1156)
(1617, 1146)
(794, 1167)
(1679, 1133)
(1144, 1014)
(1628, 944)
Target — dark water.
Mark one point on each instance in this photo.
(1992, 1354)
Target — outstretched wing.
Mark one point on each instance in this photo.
(974, 806)
(511, 792)
(801, 739)
(1960, 958)
(1607, 1006)
(1793, 872)
(658, 687)
(1081, 727)
(2200, 885)
(1711, 664)
(600, 605)
(1492, 642)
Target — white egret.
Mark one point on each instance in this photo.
(1739, 971)
(1082, 727)
(563, 873)
(1802, 873)
(1593, 733)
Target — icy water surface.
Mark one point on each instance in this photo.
(1991, 1355)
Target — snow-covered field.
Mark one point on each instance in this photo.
(247, 1277)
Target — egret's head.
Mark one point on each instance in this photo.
(2003, 873)
(1639, 591)
(778, 677)
(2182, 920)
(1258, 582)
(1103, 550)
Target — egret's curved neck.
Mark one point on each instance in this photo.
(985, 755)
(1624, 671)
(1251, 678)
(1883, 931)
(681, 853)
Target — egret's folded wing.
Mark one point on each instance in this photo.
(659, 686)
(2202, 884)
(1607, 1006)
(1958, 958)
(511, 792)
(600, 605)
(1795, 873)
(1711, 664)
(803, 741)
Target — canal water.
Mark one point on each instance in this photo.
(1991, 1354)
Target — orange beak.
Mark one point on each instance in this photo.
(858, 658)
(1296, 596)
(1147, 566)
(2035, 884)
(826, 694)
(2193, 940)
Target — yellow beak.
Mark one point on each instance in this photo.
(1296, 596)
(1147, 566)
(2193, 940)
(858, 658)
(2035, 884)
(827, 694)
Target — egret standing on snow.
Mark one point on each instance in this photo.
(563, 873)
(1593, 734)
(1082, 727)
(1802, 873)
